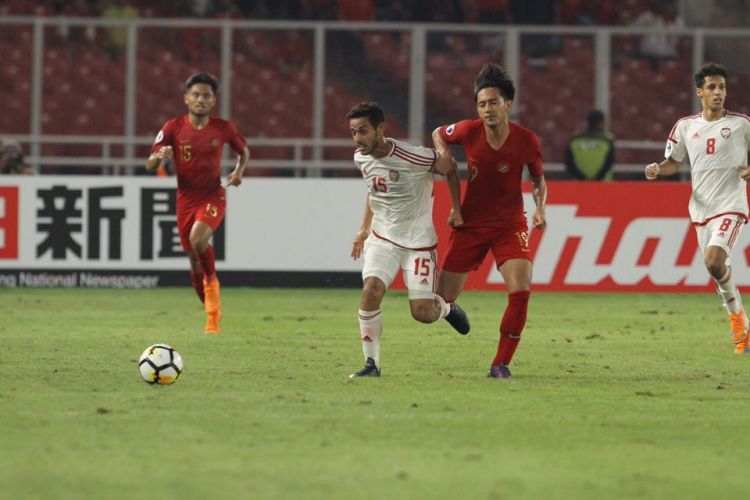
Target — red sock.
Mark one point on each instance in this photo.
(514, 319)
(207, 261)
(197, 279)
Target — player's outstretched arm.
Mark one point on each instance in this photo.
(539, 193)
(235, 177)
(163, 154)
(358, 244)
(666, 168)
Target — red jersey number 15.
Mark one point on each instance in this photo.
(379, 185)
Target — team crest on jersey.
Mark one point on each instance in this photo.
(726, 132)
(214, 143)
(503, 168)
(450, 128)
(393, 175)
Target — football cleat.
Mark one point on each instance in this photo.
(739, 332)
(369, 370)
(458, 319)
(499, 371)
(212, 323)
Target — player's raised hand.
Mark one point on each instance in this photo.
(359, 243)
(234, 179)
(165, 153)
(652, 171)
(744, 172)
(455, 219)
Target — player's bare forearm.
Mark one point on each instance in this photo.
(367, 219)
(444, 164)
(539, 193)
(440, 144)
(664, 169)
(235, 177)
(455, 219)
(152, 162)
(358, 243)
(164, 153)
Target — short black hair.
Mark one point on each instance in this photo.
(595, 119)
(370, 110)
(709, 69)
(206, 78)
(493, 75)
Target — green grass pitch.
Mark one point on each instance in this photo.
(613, 396)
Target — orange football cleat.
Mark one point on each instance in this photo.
(212, 323)
(739, 332)
(212, 306)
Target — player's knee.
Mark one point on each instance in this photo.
(424, 313)
(197, 244)
(715, 267)
(372, 292)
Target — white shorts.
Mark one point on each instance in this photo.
(722, 232)
(383, 259)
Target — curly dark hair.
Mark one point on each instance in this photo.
(370, 110)
(709, 69)
(493, 75)
(206, 78)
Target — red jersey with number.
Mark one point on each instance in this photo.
(197, 153)
(493, 195)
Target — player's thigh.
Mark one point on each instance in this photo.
(466, 250)
(516, 274)
(420, 269)
(722, 232)
(382, 260)
(185, 220)
(450, 284)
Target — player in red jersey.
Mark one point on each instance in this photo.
(194, 142)
(492, 216)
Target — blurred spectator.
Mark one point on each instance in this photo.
(488, 11)
(656, 45)
(11, 158)
(588, 12)
(590, 154)
(118, 37)
(356, 10)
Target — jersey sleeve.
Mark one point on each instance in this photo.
(535, 159)
(455, 132)
(164, 137)
(675, 147)
(233, 137)
(419, 157)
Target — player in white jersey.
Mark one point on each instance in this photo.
(397, 231)
(715, 142)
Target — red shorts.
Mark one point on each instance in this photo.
(469, 246)
(209, 209)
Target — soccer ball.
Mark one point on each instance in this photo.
(160, 364)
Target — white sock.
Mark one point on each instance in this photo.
(729, 293)
(370, 328)
(445, 308)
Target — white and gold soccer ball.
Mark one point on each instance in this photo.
(160, 364)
